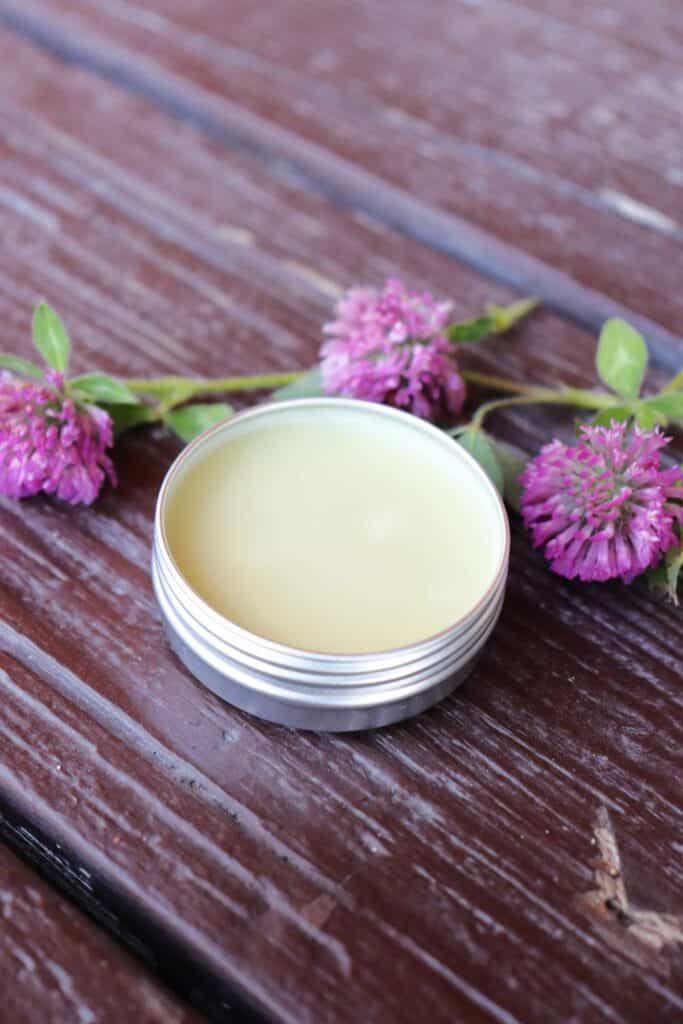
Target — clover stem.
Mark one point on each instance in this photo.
(545, 396)
(188, 387)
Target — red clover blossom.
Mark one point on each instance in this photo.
(390, 346)
(605, 507)
(49, 443)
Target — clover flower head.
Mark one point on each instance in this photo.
(49, 443)
(605, 507)
(390, 346)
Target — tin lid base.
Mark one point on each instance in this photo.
(311, 717)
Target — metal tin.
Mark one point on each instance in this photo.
(310, 690)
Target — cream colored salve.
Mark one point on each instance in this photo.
(335, 531)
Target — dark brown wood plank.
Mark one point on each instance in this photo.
(57, 966)
(428, 869)
(658, 30)
(254, 261)
(569, 136)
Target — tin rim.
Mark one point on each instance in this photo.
(183, 590)
(217, 630)
(329, 694)
(307, 678)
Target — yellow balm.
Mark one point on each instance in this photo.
(333, 529)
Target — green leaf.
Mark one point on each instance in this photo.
(496, 320)
(470, 330)
(676, 383)
(310, 385)
(101, 388)
(648, 418)
(505, 317)
(50, 337)
(614, 412)
(127, 416)
(512, 461)
(20, 366)
(192, 420)
(481, 448)
(665, 577)
(660, 409)
(621, 358)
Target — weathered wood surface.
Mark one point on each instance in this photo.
(59, 968)
(557, 130)
(429, 870)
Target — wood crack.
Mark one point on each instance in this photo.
(639, 935)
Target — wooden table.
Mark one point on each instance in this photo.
(191, 185)
(56, 966)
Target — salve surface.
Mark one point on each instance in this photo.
(335, 532)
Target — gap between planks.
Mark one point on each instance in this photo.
(169, 961)
(338, 180)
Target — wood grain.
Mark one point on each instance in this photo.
(427, 870)
(254, 262)
(56, 966)
(565, 146)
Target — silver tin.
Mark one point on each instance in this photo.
(309, 690)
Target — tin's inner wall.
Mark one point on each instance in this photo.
(334, 530)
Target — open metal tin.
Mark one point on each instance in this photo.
(311, 690)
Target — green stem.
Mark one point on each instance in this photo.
(545, 396)
(172, 391)
(189, 386)
(488, 380)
